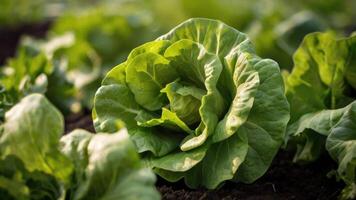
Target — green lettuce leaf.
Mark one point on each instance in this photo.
(321, 91)
(193, 95)
(26, 136)
(320, 80)
(37, 163)
(341, 145)
(107, 167)
(331, 130)
(16, 182)
(29, 151)
(321, 75)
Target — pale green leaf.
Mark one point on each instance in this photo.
(31, 132)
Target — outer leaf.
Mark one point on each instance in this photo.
(267, 121)
(11, 178)
(179, 161)
(119, 103)
(158, 141)
(310, 132)
(74, 146)
(341, 145)
(262, 147)
(218, 168)
(115, 103)
(169, 175)
(320, 122)
(323, 79)
(318, 78)
(135, 185)
(309, 145)
(34, 142)
(337, 128)
(111, 166)
(22, 184)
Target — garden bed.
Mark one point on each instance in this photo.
(284, 179)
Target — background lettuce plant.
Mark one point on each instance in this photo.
(198, 104)
(321, 90)
(36, 70)
(78, 51)
(37, 163)
(275, 27)
(98, 46)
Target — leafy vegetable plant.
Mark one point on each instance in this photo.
(198, 104)
(72, 60)
(35, 70)
(321, 91)
(112, 40)
(36, 163)
(98, 46)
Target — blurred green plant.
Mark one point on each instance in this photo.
(321, 92)
(275, 27)
(34, 70)
(102, 38)
(38, 163)
(69, 64)
(14, 12)
(111, 34)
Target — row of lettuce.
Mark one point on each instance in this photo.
(275, 26)
(79, 48)
(39, 162)
(71, 61)
(200, 105)
(224, 117)
(51, 78)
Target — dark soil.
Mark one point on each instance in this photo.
(10, 36)
(81, 120)
(283, 181)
